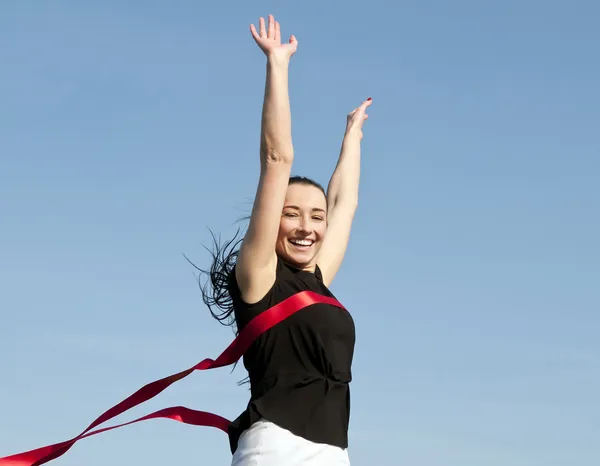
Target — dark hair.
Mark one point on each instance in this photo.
(214, 282)
(308, 182)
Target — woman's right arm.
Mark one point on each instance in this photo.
(257, 260)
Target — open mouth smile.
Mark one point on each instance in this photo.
(302, 244)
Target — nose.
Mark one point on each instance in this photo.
(304, 226)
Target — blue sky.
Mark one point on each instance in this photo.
(130, 127)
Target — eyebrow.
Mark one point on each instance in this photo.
(315, 209)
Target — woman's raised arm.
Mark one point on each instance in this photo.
(256, 263)
(342, 195)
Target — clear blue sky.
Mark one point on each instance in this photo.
(127, 128)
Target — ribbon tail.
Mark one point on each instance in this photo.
(182, 414)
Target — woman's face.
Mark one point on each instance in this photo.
(303, 225)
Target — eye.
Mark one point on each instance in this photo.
(318, 218)
(290, 214)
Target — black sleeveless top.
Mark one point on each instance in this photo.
(300, 369)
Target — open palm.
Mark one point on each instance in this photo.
(269, 39)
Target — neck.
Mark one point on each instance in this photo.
(310, 267)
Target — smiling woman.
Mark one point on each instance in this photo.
(296, 339)
(299, 370)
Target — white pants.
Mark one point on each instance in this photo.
(267, 444)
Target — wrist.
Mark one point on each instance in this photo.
(278, 60)
(353, 133)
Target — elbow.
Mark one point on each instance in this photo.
(274, 156)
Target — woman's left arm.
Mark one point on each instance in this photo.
(342, 196)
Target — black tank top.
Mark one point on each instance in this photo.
(300, 369)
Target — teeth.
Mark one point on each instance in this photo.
(301, 242)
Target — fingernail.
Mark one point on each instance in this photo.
(369, 98)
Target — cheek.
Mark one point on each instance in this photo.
(321, 229)
(285, 227)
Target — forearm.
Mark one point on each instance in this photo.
(343, 186)
(276, 128)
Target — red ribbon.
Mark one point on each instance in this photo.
(260, 324)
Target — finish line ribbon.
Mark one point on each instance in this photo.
(258, 325)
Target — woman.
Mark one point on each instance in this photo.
(299, 370)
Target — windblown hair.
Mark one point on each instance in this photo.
(214, 282)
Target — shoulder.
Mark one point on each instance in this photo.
(234, 287)
(280, 290)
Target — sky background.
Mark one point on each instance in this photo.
(128, 128)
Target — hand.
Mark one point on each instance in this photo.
(357, 117)
(269, 40)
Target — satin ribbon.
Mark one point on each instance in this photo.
(258, 325)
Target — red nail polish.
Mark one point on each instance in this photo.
(369, 98)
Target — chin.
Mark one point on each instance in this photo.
(299, 260)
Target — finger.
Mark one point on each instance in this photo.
(263, 30)
(277, 32)
(359, 111)
(254, 32)
(293, 40)
(271, 30)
